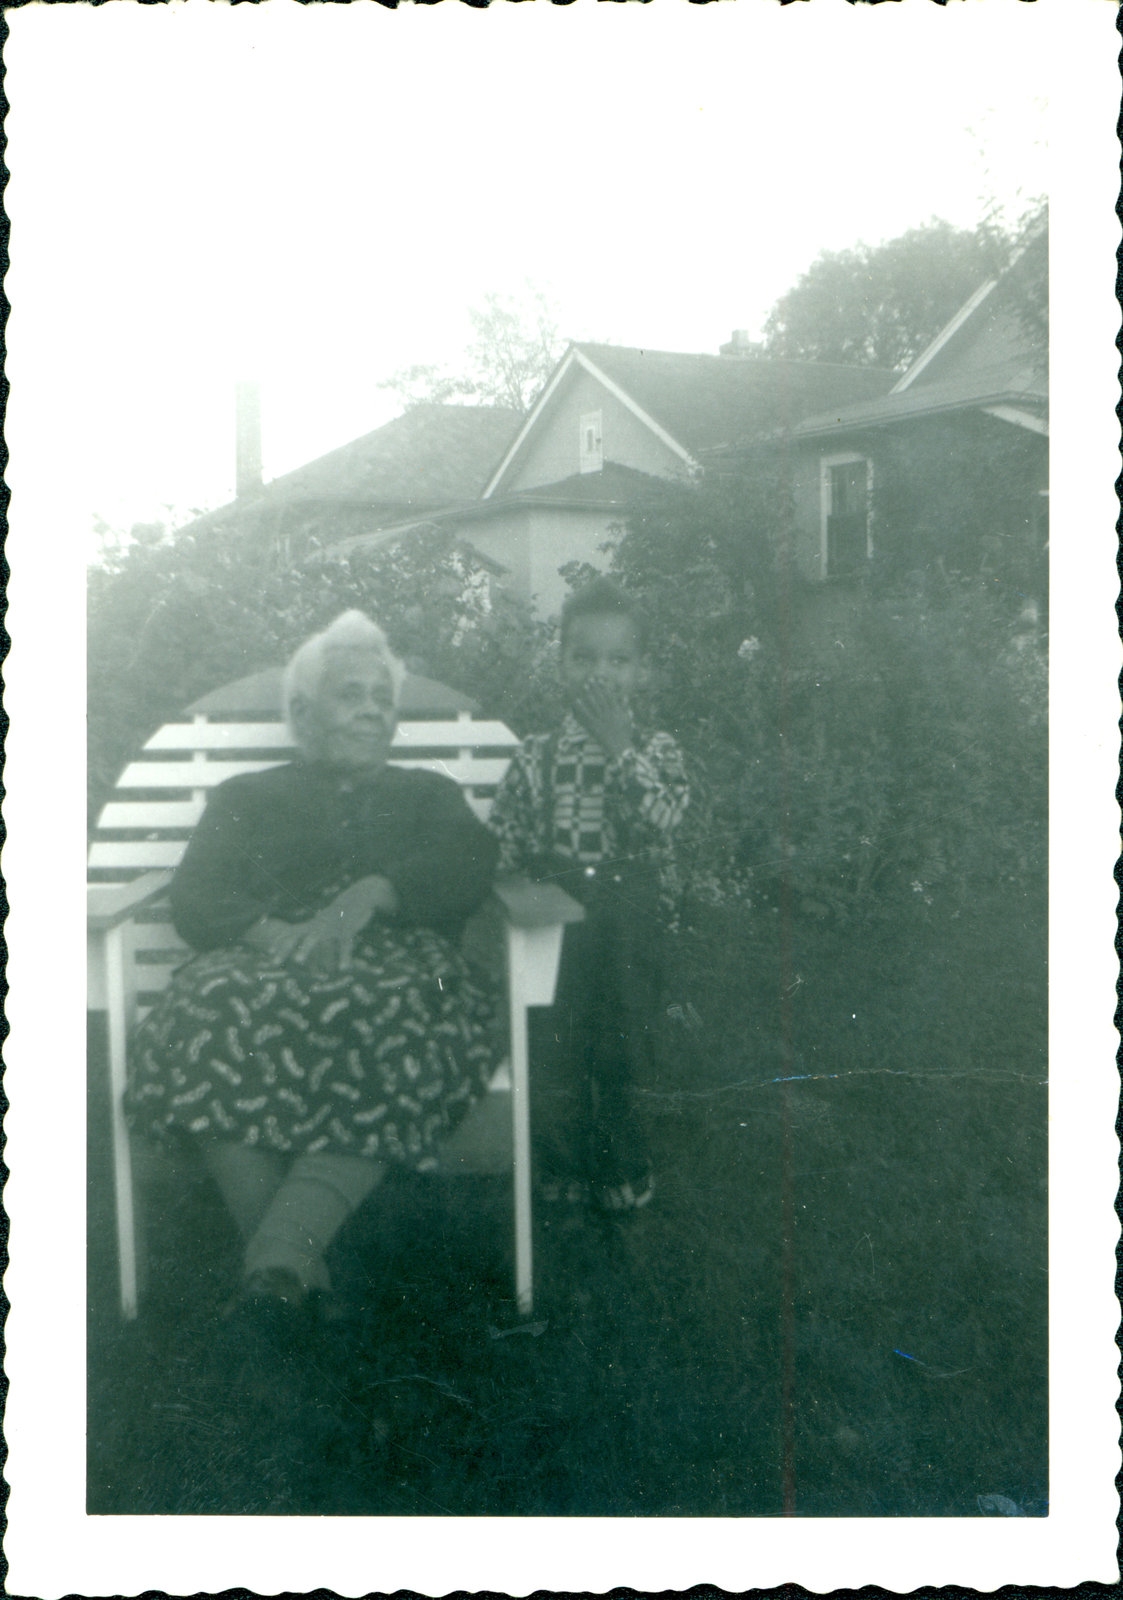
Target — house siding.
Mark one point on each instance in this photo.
(532, 543)
(557, 537)
(505, 539)
(967, 492)
(554, 453)
(806, 547)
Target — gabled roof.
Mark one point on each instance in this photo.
(696, 403)
(705, 400)
(915, 373)
(990, 335)
(428, 456)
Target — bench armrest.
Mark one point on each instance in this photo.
(537, 905)
(109, 904)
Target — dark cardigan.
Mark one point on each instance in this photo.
(274, 843)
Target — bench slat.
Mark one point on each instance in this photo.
(221, 736)
(208, 774)
(467, 735)
(145, 853)
(150, 814)
(275, 736)
(185, 774)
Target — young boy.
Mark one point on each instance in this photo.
(593, 806)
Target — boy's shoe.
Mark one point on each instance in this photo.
(616, 1197)
(564, 1191)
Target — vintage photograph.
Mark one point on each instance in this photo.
(564, 515)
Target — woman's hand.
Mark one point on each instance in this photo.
(603, 713)
(326, 942)
(276, 938)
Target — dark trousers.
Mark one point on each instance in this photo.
(591, 1047)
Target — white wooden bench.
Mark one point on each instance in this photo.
(132, 948)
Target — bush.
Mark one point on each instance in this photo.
(909, 767)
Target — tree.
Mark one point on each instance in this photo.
(514, 347)
(881, 305)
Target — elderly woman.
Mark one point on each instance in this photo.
(329, 1024)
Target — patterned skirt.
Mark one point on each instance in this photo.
(382, 1060)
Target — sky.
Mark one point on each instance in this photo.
(315, 196)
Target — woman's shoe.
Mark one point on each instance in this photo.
(264, 1341)
(275, 1283)
(271, 1287)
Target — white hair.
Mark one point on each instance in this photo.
(351, 631)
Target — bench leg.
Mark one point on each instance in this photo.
(532, 967)
(117, 1016)
(520, 1123)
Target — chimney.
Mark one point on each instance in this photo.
(247, 440)
(739, 345)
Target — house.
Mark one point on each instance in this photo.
(611, 425)
(948, 471)
(942, 469)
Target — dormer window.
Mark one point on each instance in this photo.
(590, 452)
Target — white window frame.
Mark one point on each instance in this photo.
(850, 458)
(590, 459)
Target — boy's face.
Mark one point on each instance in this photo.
(603, 650)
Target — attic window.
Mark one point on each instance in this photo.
(590, 453)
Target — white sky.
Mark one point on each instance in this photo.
(316, 195)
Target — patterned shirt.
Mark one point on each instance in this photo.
(563, 796)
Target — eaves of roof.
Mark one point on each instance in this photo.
(914, 403)
(620, 488)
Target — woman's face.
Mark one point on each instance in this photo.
(349, 721)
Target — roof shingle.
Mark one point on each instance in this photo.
(430, 455)
(706, 401)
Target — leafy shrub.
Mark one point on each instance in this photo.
(910, 766)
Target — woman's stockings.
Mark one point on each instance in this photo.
(288, 1210)
(307, 1211)
(246, 1177)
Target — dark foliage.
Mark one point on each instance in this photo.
(912, 762)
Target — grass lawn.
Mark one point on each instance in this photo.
(836, 1305)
